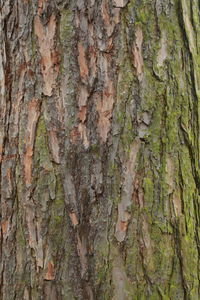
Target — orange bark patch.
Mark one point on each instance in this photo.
(109, 20)
(73, 218)
(30, 73)
(137, 52)
(123, 225)
(40, 6)
(104, 109)
(9, 179)
(105, 104)
(33, 114)
(50, 274)
(82, 61)
(83, 134)
(82, 113)
(21, 68)
(105, 14)
(49, 57)
(4, 226)
(82, 101)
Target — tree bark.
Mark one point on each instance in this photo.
(99, 149)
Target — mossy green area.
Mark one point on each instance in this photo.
(41, 150)
(161, 246)
(57, 221)
(102, 269)
(66, 27)
(66, 33)
(49, 193)
(50, 201)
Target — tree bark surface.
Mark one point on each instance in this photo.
(99, 149)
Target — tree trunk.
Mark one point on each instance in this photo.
(99, 149)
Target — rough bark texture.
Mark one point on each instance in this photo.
(99, 149)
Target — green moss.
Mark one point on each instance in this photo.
(167, 93)
(68, 295)
(20, 239)
(49, 192)
(102, 270)
(122, 116)
(66, 26)
(57, 211)
(57, 220)
(41, 151)
(148, 187)
(95, 149)
(59, 194)
(66, 34)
